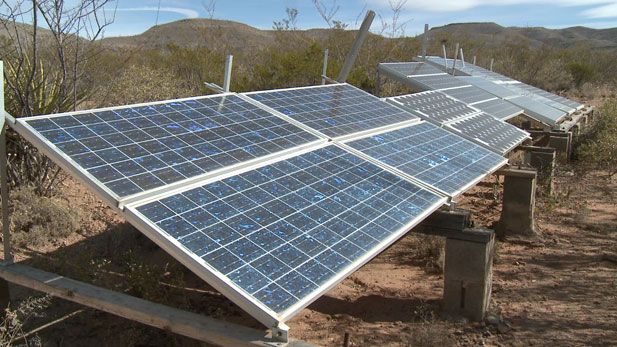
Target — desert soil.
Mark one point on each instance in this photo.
(559, 289)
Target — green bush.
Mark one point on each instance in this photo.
(599, 147)
(581, 72)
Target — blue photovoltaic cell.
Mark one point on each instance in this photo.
(432, 155)
(136, 148)
(280, 232)
(334, 110)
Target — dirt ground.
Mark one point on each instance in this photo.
(559, 289)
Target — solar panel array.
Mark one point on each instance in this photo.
(333, 110)
(466, 121)
(407, 73)
(133, 149)
(245, 190)
(521, 94)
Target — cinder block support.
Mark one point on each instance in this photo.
(562, 144)
(468, 276)
(468, 263)
(519, 200)
(543, 160)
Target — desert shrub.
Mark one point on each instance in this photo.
(37, 220)
(598, 149)
(429, 250)
(11, 326)
(581, 72)
(289, 68)
(140, 83)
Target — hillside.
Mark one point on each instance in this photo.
(233, 35)
(537, 36)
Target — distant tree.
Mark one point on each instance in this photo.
(289, 23)
(328, 13)
(209, 6)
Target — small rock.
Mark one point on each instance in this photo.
(492, 320)
(502, 328)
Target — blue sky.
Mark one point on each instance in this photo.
(134, 17)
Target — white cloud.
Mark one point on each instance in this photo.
(606, 11)
(459, 5)
(188, 13)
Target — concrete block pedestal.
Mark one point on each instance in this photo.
(519, 200)
(468, 276)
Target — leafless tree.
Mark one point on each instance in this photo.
(327, 13)
(209, 6)
(44, 73)
(289, 23)
(394, 28)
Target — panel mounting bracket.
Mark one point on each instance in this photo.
(280, 335)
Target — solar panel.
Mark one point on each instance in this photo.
(132, 149)
(274, 238)
(411, 69)
(488, 86)
(538, 110)
(541, 96)
(333, 110)
(439, 82)
(471, 69)
(469, 94)
(499, 109)
(432, 155)
(477, 71)
(435, 106)
(496, 135)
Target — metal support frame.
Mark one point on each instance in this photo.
(228, 64)
(492, 62)
(6, 235)
(357, 44)
(462, 57)
(424, 42)
(455, 58)
(445, 58)
(324, 73)
(474, 60)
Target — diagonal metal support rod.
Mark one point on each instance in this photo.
(355, 48)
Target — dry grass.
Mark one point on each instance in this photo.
(37, 220)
